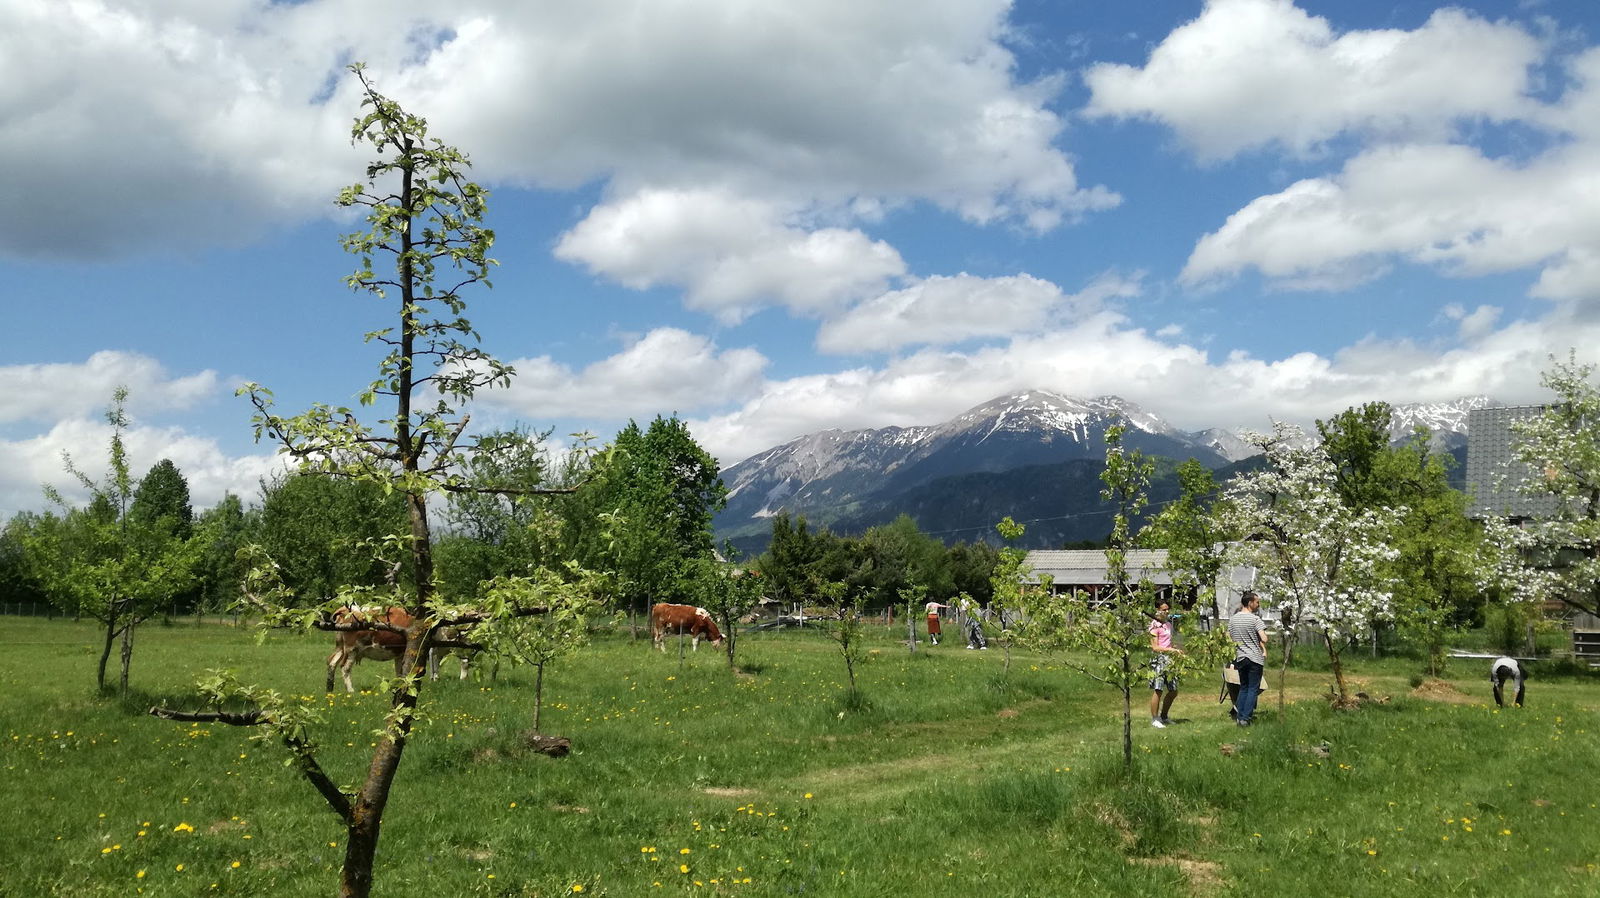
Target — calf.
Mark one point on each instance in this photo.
(682, 619)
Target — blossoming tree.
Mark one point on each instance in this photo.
(1317, 560)
(1557, 557)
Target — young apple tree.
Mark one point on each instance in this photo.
(115, 560)
(1111, 625)
(425, 244)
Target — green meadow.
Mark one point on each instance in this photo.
(689, 778)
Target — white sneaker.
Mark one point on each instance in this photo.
(1156, 722)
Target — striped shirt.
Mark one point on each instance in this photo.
(1245, 629)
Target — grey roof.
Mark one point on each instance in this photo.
(1084, 567)
(1493, 473)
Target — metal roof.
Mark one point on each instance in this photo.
(1494, 476)
(1086, 567)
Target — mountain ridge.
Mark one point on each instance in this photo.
(856, 478)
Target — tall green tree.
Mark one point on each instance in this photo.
(18, 582)
(502, 527)
(424, 245)
(789, 557)
(663, 490)
(316, 527)
(224, 529)
(161, 502)
(162, 499)
(1438, 549)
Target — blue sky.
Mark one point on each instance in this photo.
(775, 218)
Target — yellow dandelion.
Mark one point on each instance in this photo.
(683, 868)
(139, 875)
(234, 865)
(577, 887)
(178, 868)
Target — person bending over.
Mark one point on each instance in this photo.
(1501, 672)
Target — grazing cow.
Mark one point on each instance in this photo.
(696, 622)
(350, 646)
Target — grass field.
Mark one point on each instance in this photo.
(686, 778)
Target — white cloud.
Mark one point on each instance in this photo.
(125, 126)
(158, 124)
(1248, 73)
(1472, 325)
(942, 310)
(51, 392)
(34, 462)
(1438, 204)
(667, 369)
(1104, 354)
(728, 252)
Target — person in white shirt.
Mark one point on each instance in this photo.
(1503, 671)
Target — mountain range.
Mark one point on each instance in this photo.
(1035, 455)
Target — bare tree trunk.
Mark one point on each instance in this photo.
(105, 652)
(366, 812)
(1338, 668)
(1283, 669)
(538, 695)
(730, 636)
(1127, 715)
(127, 652)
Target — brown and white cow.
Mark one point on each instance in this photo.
(682, 619)
(350, 646)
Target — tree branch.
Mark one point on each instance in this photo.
(337, 800)
(511, 491)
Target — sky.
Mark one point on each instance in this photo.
(774, 218)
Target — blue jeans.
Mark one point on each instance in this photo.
(1249, 687)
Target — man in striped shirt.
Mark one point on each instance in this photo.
(1249, 637)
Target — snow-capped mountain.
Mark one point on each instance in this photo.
(989, 453)
(1225, 443)
(835, 469)
(1446, 420)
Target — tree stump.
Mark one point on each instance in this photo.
(554, 746)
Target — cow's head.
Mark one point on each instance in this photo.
(710, 630)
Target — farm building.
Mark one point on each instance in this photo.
(1084, 570)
